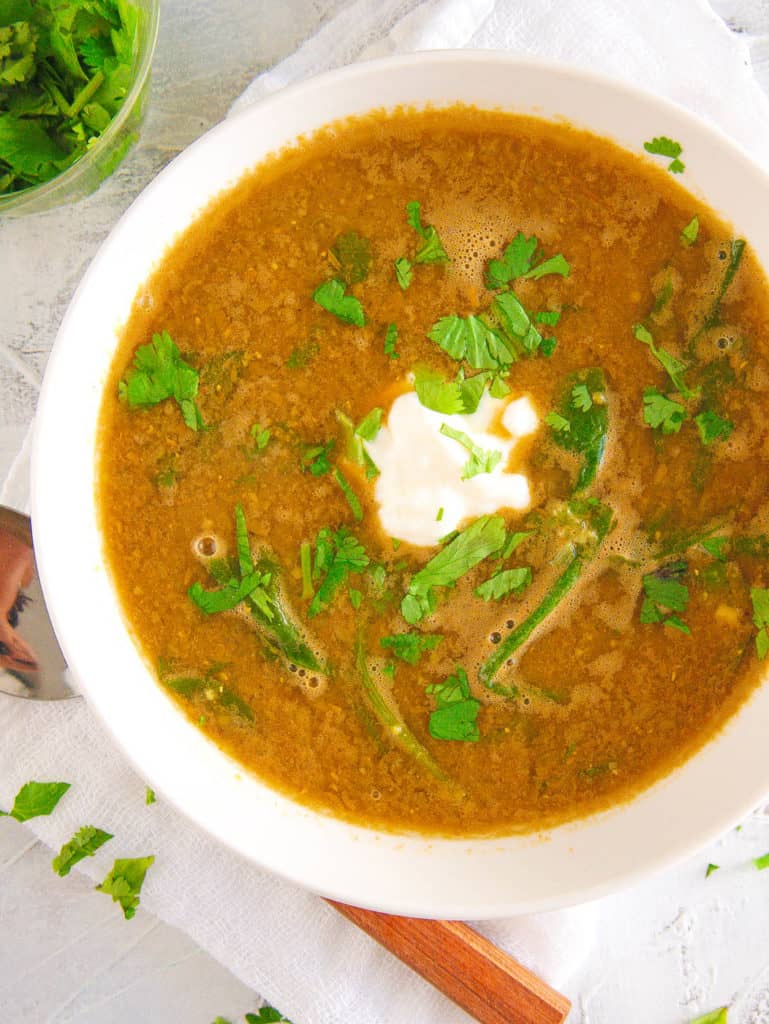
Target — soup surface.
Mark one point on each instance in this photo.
(434, 472)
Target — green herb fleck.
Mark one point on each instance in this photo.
(159, 372)
(430, 249)
(352, 498)
(85, 842)
(404, 272)
(714, 1017)
(710, 869)
(762, 863)
(315, 457)
(336, 556)
(267, 1015)
(351, 256)
(661, 412)
(674, 368)
(302, 355)
(391, 339)
(124, 882)
(439, 515)
(36, 800)
(331, 296)
(517, 261)
(456, 716)
(760, 600)
(581, 422)
(369, 426)
(690, 232)
(149, 796)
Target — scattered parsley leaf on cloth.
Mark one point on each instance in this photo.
(456, 716)
(159, 372)
(85, 842)
(36, 799)
(124, 882)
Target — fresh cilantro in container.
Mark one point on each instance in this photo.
(73, 77)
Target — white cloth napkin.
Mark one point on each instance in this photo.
(287, 944)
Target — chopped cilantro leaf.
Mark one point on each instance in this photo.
(85, 842)
(124, 882)
(504, 582)
(436, 393)
(517, 261)
(456, 716)
(580, 397)
(712, 427)
(315, 457)
(331, 297)
(511, 543)
(690, 232)
(391, 338)
(352, 498)
(261, 437)
(356, 597)
(665, 595)
(661, 412)
(149, 796)
(267, 1015)
(351, 256)
(404, 272)
(760, 600)
(549, 318)
(410, 646)
(368, 428)
(159, 372)
(470, 338)
(36, 800)
(710, 869)
(480, 461)
(431, 249)
(674, 368)
(231, 594)
(663, 146)
(439, 514)
(557, 422)
(482, 538)
(336, 556)
(762, 863)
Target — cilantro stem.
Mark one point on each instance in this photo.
(305, 555)
(86, 93)
(394, 726)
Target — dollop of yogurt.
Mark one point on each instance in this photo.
(420, 469)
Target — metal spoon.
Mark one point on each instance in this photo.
(31, 662)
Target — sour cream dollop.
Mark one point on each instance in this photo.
(420, 469)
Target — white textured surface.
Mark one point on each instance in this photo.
(666, 950)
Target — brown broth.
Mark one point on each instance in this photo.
(606, 705)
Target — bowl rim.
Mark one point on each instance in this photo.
(14, 202)
(436, 901)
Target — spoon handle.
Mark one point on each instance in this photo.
(465, 967)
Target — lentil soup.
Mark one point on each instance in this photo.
(433, 472)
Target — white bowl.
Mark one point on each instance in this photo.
(450, 878)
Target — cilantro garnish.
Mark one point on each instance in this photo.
(517, 262)
(209, 687)
(410, 646)
(548, 317)
(430, 249)
(331, 297)
(504, 582)
(124, 882)
(690, 232)
(36, 800)
(391, 338)
(85, 842)
(351, 256)
(352, 498)
(665, 595)
(404, 272)
(672, 366)
(65, 69)
(369, 426)
(482, 538)
(480, 461)
(712, 427)
(267, 1015)
(315, 457)
(762, 863)
(581, 421)
(336, 556)
(714, 1017)
(261, 437)
(149, 796)
(159, 372)
(760, 601)
(233, 592)
(512, 542)
(710, 869)
(436, 393)
(661, 412)
(471, 339)
(662, 146)
(456, 716)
